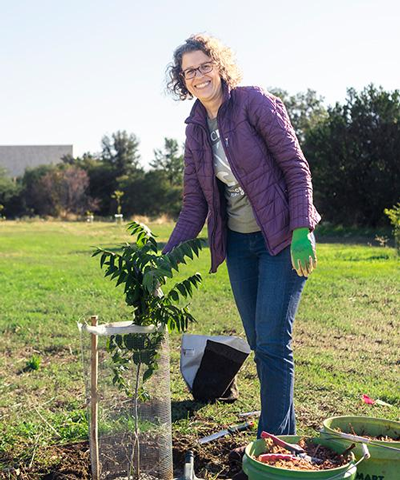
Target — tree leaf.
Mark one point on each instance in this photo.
(110, 270)
(121, 279)
(181, 289)
(115, 274)
(147, 374)
(149, 282)
(103, 259)
(174, 295)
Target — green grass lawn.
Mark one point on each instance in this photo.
(346, 336)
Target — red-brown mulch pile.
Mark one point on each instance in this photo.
(382, 438)
(330, 459)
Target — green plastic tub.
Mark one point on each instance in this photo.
(256, 470)
(384, 463)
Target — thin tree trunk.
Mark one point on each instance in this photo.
(94, 407)
(134, 463)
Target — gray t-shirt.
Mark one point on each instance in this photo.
(240, 212)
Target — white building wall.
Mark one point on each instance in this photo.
(16, 158)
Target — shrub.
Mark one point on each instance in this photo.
(394, 217)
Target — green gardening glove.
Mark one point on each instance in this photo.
(302, 252)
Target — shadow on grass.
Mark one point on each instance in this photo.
(184, 409)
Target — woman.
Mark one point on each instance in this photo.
(245, 173)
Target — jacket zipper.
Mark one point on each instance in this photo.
(215, 212)
(212, 270)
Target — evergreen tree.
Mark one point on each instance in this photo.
(121, 152)
(169, 160)
(355, 157)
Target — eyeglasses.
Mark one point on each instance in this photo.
(203, 69)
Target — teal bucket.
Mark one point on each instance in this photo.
(256, 470)
(384, 463)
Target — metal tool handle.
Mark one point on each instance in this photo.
(289, 446)
(188, 470)
(240, 428)
(255, 413)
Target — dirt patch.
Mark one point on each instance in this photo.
(66, 462)
(210, 459)
(72, 461)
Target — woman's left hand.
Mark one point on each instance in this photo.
(302, 252)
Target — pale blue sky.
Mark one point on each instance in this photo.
(72, 71)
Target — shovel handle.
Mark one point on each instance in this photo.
(289, 446)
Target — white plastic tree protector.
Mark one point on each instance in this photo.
(117, 328)
(119, 456)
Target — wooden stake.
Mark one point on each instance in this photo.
(94, 407)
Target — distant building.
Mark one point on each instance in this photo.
(16, 158)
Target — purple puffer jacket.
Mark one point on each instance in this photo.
(266, 159)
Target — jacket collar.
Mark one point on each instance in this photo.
(198, 114)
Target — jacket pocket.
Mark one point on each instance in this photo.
(282, 193)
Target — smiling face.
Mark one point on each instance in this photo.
(206, 87)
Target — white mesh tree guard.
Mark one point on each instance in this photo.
(126, 369)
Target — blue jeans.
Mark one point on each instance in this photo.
(267, 293)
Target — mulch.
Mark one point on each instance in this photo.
(328, 458)
(381, 438)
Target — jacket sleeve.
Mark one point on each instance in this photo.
(270, 118)
(194, 209)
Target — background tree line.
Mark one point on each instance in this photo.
(353, 150)
(78, 185)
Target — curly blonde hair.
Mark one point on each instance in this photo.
(221, 54)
